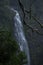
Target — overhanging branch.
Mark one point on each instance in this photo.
(26, 11)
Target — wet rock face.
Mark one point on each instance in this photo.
(35, 41)
(14, 4)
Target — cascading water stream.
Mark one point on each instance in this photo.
(19, 35)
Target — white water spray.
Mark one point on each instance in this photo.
(19, 35)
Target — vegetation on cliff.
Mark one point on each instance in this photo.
(10, 53)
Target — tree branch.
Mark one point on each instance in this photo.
(37, 21)
(26, 11)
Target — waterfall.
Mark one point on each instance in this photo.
(19, 35)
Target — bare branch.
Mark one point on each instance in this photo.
(37, 21)
(29, 26)
(29, 12)
(22, 7)
(36, 30)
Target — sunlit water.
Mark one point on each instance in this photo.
(19, 35)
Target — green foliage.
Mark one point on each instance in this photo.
(10, 53)
(7, 46)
